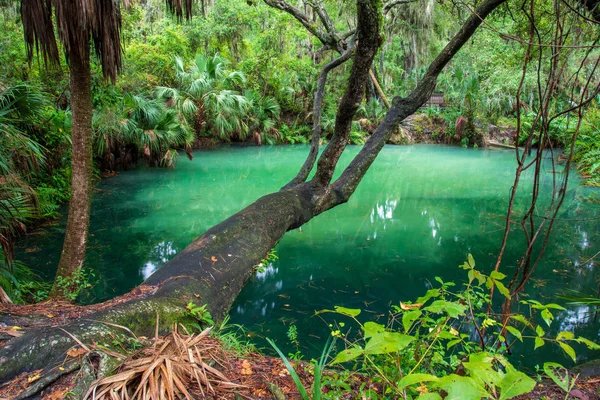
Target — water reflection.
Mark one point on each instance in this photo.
(384, 246)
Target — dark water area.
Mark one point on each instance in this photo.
(416, 215)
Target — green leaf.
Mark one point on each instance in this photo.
(429, 396)
(547, 316)
(590, 345)
(502, 289)
(565, 336)
(481, 369)
(387, 342)
(411, 379)
(351, 312)
(521, 319)
(515, 332)
(452, 309)
(514, 384)
(452, 343)
(497, 275)
(465, 266)
(559, 374)
(471, 260)
(569, 350)
(431, 293)
(408, 318)
(472, 275)
(489, 282)
(461, 388)
(347, 355)
(555, 306)
(539, 331)
(539, 342)
(372, 328)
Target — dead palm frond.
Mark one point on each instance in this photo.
(176, 366)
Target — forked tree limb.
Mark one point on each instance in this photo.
(317, 128)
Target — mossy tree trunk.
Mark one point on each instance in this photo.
(76, 235)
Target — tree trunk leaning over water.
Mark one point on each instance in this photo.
(76, 234)
(214, 268)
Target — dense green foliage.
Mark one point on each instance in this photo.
(244, 71)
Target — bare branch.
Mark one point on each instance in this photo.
(317, 113)
(388, 6)
(368, 43)
(327, 38)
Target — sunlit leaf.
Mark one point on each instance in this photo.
(351, 312)
(502, 289)
(514, 384)
(590, 345)
(559, 374)
(497, 275)
(452, 309)
(431, 293)
(372, 328)
(411, 379)
(539, 331)
(461, 388)
(515, 332)
(565, 336)
(547, 316)
(569, 350)
(471, 260)
(387, 342)
(347, 355)
(539, 342)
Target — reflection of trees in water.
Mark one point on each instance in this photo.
(159, 255)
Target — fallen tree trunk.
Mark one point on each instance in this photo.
(214, 268)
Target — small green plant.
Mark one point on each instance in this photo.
(73, 285)
(232, 337)
(264, 263)
(200, 314)
(292, 335)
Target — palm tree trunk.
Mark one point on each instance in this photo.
(76, 236)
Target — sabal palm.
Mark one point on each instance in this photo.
(143, 124)
(20, 157)
(263, 113)
(207, 96)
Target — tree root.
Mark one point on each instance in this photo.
(48, 379)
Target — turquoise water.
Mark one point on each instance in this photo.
(417, 214)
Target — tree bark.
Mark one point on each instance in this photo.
(76, 235)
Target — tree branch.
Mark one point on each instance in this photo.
(368, 43)
(403, 107)
(317, 113)
(327, 38)
(388, 6)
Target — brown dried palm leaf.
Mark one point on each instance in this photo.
(174, 367)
